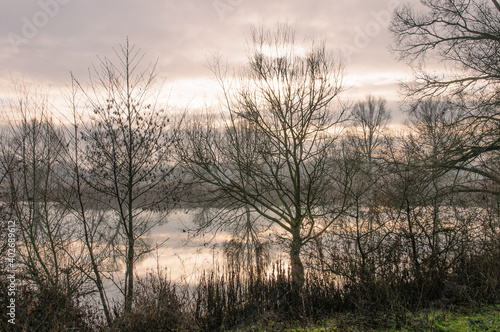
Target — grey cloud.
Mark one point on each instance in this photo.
(179, 33)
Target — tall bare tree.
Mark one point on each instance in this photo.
(127, 142)
(273, 151)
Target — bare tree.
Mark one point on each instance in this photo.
(366, 226)
(457, 154)
(432, 134)
(369, 118)
(127, 143)
(273, 151)
(34, 149)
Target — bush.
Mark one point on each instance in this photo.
(42, 309)
(158, 306)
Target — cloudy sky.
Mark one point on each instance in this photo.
(43, 40)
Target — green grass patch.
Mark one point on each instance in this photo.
(462, 320)
(485, 318)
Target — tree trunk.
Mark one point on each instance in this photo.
(129, 294)
(414, 254)
(296, 262)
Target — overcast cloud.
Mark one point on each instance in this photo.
(42, 40)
